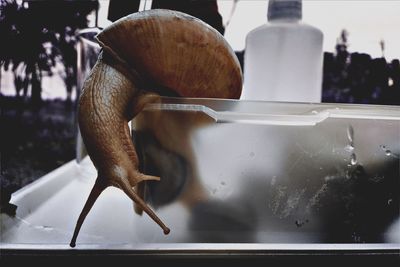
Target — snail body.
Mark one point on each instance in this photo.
(146, 54)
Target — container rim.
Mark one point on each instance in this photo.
(277, 113)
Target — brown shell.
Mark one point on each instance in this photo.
(177, 51)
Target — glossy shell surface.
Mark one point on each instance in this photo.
(177, 51)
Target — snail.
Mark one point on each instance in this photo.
(145, 55)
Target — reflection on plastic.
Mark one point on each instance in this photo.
(224, 181)
(257, 182)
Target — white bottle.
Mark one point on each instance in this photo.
(283, 58)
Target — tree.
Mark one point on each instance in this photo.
(35, 34)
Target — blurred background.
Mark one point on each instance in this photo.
(39, 84)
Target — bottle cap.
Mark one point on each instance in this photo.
(284, 9)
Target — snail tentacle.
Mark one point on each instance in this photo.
(97, 189)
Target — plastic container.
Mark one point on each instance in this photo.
(237, 177)
(87, 52)
(283, 58)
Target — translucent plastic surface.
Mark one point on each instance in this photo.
(273, 172)
(272, 175)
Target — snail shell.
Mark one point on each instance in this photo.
(175, 50)
(146, 54)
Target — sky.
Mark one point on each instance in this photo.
(367, 21)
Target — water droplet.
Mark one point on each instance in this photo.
(252, 154)
(390, 201)
(350, 134)
(388, 152)
(356, 238)
(300, 223)
(273, 180)
(377, 178)
(353, 159)
(349, 148)
(314, 112)
(44, 227)
(223, 183)
(329, 178)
